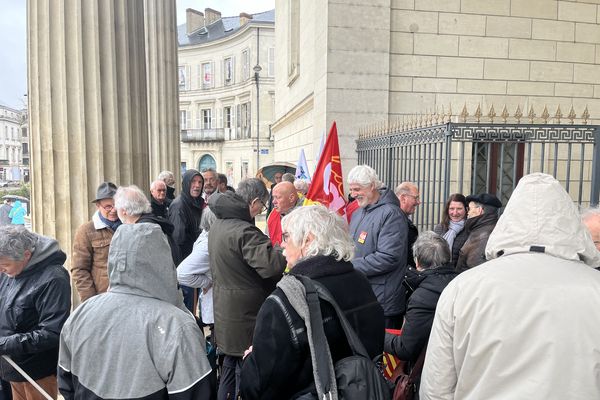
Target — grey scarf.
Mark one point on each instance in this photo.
(454, 229)
(296, 294)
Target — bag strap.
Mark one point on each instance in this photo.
(353, 340)
(415, 370)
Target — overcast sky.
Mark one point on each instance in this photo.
(13, 38)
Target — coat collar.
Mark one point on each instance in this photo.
(320, 266)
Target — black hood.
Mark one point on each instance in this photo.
(166, 225)
(229, 205)
(416, 279)
(185, 189)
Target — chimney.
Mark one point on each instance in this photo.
(194, 20)
(244, 18)
(211, 15)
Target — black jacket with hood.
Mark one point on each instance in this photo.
(185, 213)
(245, 268)
(167, 228)
(35, 304)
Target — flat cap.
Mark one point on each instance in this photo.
(485, 199)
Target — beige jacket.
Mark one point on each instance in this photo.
(523, 325)
(90, 258)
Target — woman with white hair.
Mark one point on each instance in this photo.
(317, 245)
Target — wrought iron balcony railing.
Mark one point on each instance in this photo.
(203, 135)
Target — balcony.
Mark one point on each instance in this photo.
(203, 135)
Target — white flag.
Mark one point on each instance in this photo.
(302, 167)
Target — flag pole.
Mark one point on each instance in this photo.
(24, 374)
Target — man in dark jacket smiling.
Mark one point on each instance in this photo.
(35, 301)
(245, 268)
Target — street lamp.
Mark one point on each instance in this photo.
(257, 68)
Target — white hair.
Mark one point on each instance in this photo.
(364, 176)
(589, 213)
(301, 185)
(132, 200)
(328, 229)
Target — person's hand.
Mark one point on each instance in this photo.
(246, 352)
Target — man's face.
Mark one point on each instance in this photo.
(593, 225)
(196, 186)
(13, 268)
(210, 182)
(283, 199)
(222, 187)
(159, 192)
(410, 201)
(364, 195)
(277, 177)
(107, 209)
(475, 210)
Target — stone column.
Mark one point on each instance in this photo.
(163, 92)
(102, 103)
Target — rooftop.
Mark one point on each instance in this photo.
(219, 29)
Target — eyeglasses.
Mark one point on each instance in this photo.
(108, 207)
(160, 190)
(285, 236)
(262, 203)
(414, 196)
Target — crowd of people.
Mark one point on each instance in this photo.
(489, 304)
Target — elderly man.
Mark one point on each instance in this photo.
(133, 207)
(285, 200)
(4, 211)
(159, 201)
(481, 220)
(245, 267)
(169, 179)
(591, 219)
(409, 198)
(211, 182)
(35, 301)
(137, 341)
(90, 246)
(185, 213)
(523, 325)
(380, 233)
(276, 179)
(222, 185)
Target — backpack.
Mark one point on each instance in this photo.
(357, 377)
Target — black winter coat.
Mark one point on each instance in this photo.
(413, 234)
(428, 286)
(279, 366)
(185, 213)
(479, 230)
(35, 305)
(167, 228)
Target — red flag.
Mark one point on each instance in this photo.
(327, 185)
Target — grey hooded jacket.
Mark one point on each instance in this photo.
(137, 340)
(380, 235)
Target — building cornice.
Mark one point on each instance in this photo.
(243, 31)
(297, 111)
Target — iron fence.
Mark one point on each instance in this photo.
(476, 157)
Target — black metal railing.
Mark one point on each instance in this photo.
(476, 157)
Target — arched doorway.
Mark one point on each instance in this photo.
(207, 161)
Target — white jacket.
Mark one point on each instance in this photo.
(525, 325)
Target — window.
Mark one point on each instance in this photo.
(207, 76)
(293, 39)
(183, 117)
(184, 83)
(245, 65)
(245, 169)
(227, 117)
(229, 173)
(271, 62)
(246, 120)
(228, 71)
(206, 118)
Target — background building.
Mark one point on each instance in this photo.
(14, 145)
(226, 91)
(375, 62)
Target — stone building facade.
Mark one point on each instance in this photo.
(14, 145)
(359, 64)
(221, 102)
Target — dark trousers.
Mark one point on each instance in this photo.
(394, 321)
(229, 385)
(190, 298)
(5, 391)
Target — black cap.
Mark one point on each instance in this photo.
(106, 190)
(485, 199)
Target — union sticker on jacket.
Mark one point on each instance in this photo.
(362, 237)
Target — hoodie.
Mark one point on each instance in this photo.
(35, 304)
(17, 214)
(137, 340)
(523, 325)
(185, 213)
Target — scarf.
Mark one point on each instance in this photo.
(454, 229)
(111, 224)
